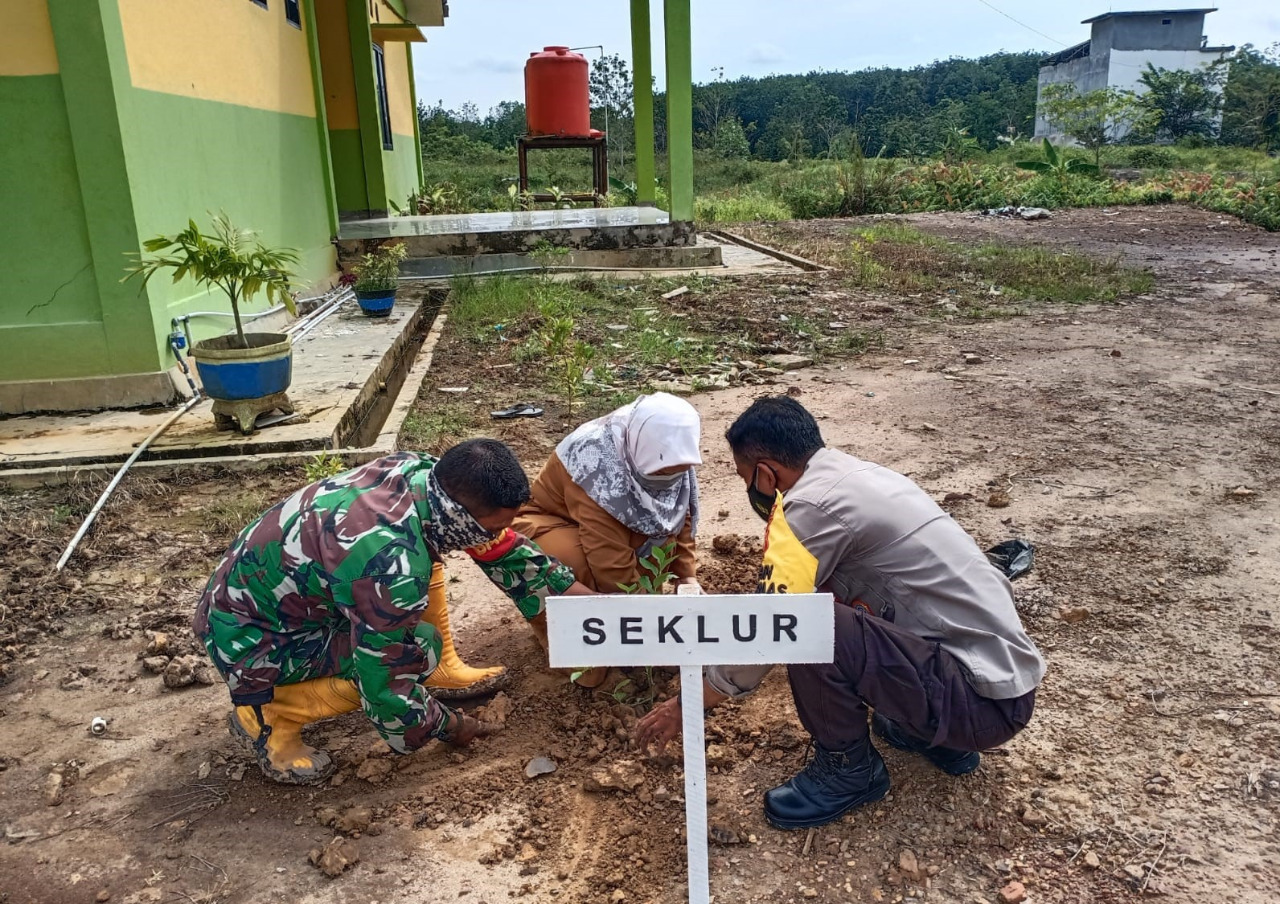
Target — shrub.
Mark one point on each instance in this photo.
(1151, 158)
(743, 208)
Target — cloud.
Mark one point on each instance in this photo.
(499, 65)
(764, 54)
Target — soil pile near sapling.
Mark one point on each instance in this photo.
(730, 564)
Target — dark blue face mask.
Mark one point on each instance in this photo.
(761, 502)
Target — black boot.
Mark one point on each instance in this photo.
(950, 761)
(834, 782)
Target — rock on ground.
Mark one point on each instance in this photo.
(336, 857)
(623, 775)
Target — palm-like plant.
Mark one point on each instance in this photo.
(1059, 164)
(229, 258)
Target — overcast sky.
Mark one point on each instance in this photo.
(479, 55)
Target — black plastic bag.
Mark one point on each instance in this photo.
(1013, 557)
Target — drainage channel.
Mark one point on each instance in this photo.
(360, 429)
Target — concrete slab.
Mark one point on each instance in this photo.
(342, 371)
(519, 232)
(502, 221)
(711, 256)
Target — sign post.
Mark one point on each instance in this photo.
(691, 632)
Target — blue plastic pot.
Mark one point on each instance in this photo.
(232, 373)
(378, 303)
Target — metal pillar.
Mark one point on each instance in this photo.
(642, 93)
(679, 54)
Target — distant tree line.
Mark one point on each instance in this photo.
(942, 108)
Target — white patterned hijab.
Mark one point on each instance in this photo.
(615, 459)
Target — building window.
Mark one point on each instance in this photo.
(262, 3)
(292, 13)
(1166, 21)
(384, 106)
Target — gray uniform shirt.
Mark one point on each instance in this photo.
(881, 541)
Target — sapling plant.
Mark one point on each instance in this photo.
(379, 271)
(655, 574)
(322, 466)
(228, 258)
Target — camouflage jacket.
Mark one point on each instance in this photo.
(344, 563)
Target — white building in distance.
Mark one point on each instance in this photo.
(1119, 50)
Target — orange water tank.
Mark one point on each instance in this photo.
(556, 98)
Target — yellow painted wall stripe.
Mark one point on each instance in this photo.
(399, 92)
(335, 61)
(26, 38)
(232, 52)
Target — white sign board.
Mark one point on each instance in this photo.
(588, 631)
(691, 632)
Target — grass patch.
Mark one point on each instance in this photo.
(229, 515)
(740, 207)
(982, 279)
(435, 430)
(480, 306)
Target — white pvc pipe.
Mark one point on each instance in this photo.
(300, 328)
(276, 310)
(115, 481)
(320, 318)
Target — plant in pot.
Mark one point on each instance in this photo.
(378, 277)
(246, 374)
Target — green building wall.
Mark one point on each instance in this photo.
(50, 315)
(115, 149)
(262, 168)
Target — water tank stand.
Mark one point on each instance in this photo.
(599, 166)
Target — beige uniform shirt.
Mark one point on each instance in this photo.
(872, 537)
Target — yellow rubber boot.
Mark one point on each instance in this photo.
(453, 679)
(281, 755)
(589, 678)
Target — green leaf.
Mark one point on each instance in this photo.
(1083, 166)
(1035, 166)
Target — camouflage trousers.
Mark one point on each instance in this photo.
(278, 658)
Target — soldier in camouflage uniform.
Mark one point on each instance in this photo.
(317, 608)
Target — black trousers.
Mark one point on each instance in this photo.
(905, 678)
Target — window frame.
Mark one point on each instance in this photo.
(384, 98)
(262, 3)
(294, 6)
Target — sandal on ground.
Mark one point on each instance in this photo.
(520, 409)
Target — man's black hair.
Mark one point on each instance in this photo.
(776, 427)
(483, 475)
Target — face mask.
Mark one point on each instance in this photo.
(451, 527)
(658, 482)
(761, 502)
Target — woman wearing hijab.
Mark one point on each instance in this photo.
(616, 488)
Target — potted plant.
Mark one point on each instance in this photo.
(377, 278)
(242, 370)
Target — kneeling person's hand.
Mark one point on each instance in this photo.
(463, 729)
(659, 726)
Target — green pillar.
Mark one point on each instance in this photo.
(322, 118)
(375, 178)
(679, 55)
(642, 90)
(95, 83)
(417, 121)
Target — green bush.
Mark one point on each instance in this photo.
(1151, 158)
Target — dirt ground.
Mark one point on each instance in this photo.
(1135, 444)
